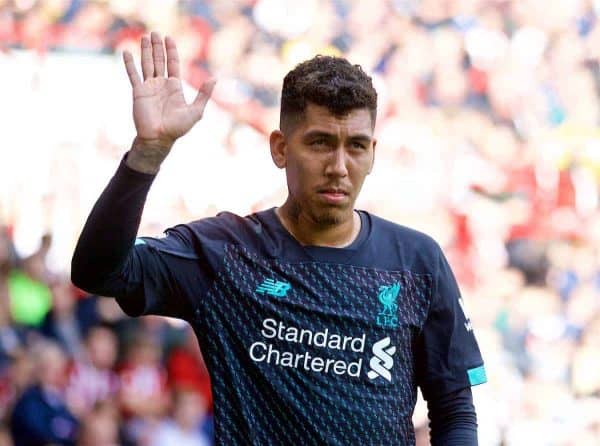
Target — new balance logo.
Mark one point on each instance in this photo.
(382, 362)
(273, 288)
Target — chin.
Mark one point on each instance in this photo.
(332, 216)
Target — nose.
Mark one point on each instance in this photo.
(336, 164)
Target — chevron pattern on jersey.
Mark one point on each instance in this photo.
(266, 403)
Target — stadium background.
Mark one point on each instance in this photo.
(488, 140)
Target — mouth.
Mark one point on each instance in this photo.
(333, 195)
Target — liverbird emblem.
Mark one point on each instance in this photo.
(388, 295)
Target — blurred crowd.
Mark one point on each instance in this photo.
(75, 370)
(488, 139)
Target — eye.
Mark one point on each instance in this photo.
(357, 145)
(318, 142)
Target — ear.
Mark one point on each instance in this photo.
(278, 148)
(373, 159)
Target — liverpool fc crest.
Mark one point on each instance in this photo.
(388, 295)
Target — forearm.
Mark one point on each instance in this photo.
(453, 420)
(110, 230)
(147, 156)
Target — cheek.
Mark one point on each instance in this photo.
(302, 175)
(358, 168)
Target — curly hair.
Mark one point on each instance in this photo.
(331, 82)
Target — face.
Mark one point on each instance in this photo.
(52, 367)
(327, 159)
(102, 348)
(189, 409)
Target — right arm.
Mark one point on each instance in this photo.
(105, 261)
(107, 239)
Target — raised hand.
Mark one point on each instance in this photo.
(160, 112)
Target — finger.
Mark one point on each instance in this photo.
(134, 77)
(172, 58)
(147, 63)
(158, 54)
(202, 98)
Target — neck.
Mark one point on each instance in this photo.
(309, 232)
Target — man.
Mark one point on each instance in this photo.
(42, 415)
(317, 322)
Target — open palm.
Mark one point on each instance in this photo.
(160, 112)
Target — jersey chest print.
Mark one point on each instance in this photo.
(319, 338)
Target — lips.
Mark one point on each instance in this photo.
(333, 191)
(333, 195)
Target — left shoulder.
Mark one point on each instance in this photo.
(411, 239)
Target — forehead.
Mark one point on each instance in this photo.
(319, 118)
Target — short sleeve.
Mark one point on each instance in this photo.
(448, 357)
(163, 277)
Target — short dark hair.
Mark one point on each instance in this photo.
(331, 82)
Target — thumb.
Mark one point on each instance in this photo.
(202, 98)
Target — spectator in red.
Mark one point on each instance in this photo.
(143, 395)
(92, 379)
(186, 368)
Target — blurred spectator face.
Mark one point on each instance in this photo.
(366, 17)
(450, 86)
(582, 306)
(95, 17)
(584, 261)
(34, 267)
(143, 353)
(102, 347)
(100, 428)
(55, 9)
(193, 37)
(143, 382)
(500, 146)
(63, 298)
(22, 371)
(89, 28)
(50, 365)
(189, 408)
(432, 11)
(416, 57)
(228, 44)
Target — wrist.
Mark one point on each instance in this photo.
(147, 156)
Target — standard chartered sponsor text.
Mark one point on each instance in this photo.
(264, 351)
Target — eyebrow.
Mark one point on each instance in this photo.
(322, 134)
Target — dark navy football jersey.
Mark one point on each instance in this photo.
(307, 344)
